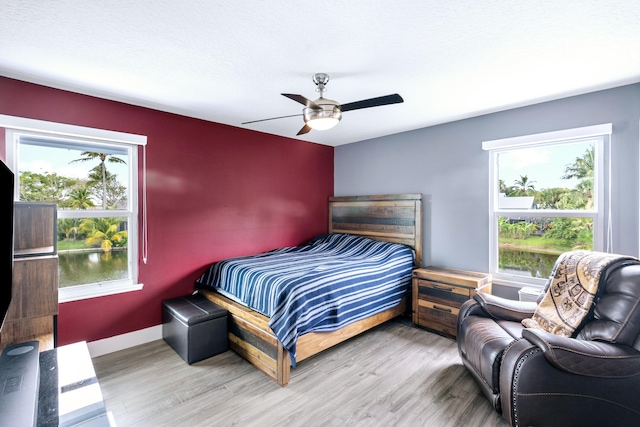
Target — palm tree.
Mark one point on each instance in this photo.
(103, 231)
(582, 167)
(504, 227)
(502, 187)
(116, 192)
(68, 227)
(548, 198)
(101, 169)
(80, 198)
(524, 186)
(529, 228)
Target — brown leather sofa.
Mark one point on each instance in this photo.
(535, 378)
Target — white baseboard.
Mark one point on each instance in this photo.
(120, 342)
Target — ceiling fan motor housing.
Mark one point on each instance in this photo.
(325, 117)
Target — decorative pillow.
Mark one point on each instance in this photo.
(573, 286)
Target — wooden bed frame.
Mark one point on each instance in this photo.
(392, 218)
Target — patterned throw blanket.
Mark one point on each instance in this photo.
(573, 287)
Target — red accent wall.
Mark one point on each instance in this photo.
(213, 191)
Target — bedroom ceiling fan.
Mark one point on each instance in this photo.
(324, 113)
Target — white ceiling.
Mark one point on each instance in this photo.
(229, 61)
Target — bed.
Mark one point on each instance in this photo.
(358, 225)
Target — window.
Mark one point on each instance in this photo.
(548, 195)
(92, 175)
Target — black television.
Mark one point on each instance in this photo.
(6, 246)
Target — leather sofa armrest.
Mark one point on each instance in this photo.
(588, 358)
(505, 309)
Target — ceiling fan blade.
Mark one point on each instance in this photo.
(272, 118)
(301, 99)
(305, 129)
(372, 102)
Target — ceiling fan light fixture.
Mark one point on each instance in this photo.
(323, 118)
(323, 123)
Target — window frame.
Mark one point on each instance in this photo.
(600, 213)
(15, 127)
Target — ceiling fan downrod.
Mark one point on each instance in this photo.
(321, 79)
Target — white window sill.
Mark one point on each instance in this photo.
(76, 293)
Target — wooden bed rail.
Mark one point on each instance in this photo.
(251, 337)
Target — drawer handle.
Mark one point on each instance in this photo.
(447, 310)
(443, 288)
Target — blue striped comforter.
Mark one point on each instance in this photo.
(334, 280)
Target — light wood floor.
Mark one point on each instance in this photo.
(393, 375)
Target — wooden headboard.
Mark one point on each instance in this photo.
(389, 217)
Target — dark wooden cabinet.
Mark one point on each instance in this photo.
(34, 301)
(37, 290)
(438, 294)
(34, 229)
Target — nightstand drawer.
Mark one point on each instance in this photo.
(442, 294)
(438, 294)
(439, 307)
(438, 318)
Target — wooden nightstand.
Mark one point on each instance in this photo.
(438, 294)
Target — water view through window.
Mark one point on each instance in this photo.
(524, 263)
(79, 268)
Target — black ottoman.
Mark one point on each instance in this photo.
(194, 327)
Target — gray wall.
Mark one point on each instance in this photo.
(447, 165)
